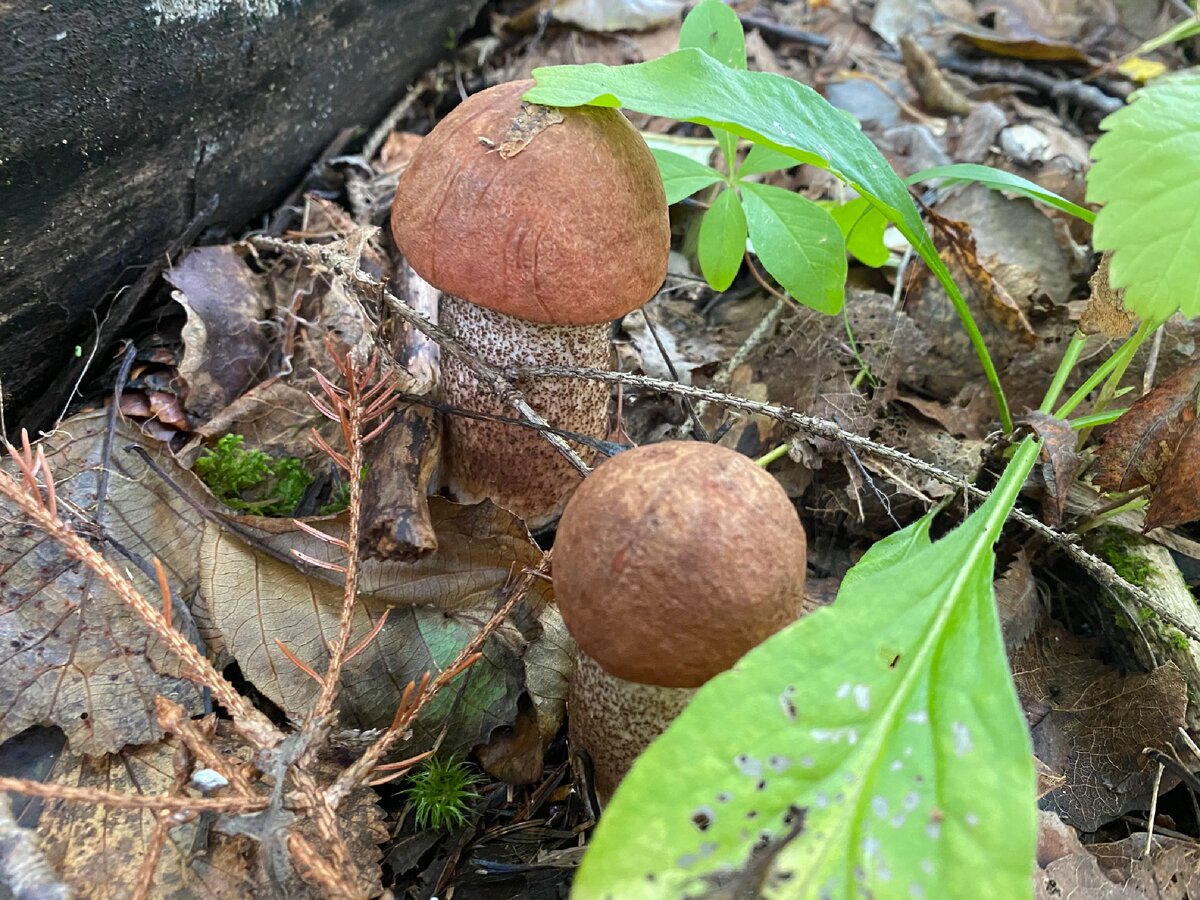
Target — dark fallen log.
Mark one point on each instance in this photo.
(120, 120)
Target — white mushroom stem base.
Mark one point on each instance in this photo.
(516, 467)
(615, 720)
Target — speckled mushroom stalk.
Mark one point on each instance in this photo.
(540, 226)
(520, 470)
(671, 561)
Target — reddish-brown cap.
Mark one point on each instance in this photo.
(673, 560)
(560, 222)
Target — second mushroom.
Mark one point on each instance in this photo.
(540, 226)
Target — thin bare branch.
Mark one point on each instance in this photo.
(487, 375)
(1100, 570)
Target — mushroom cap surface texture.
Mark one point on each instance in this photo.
(673, 560)
(553, 215)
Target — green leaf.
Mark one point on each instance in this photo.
(999, 180)
(784, 114)
(1146, 172)
(728, 142)
(874, 748)
(681, 176)
(863, 227)
(799, 244)
(722, 240)
(768, 109)
(762, 158)
(697, 149)
(715, 28)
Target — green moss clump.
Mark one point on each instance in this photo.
(250, 481)
(1179, 640)
(1114, 549)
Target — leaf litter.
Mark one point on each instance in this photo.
(894, 369)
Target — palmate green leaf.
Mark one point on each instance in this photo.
(863, 227)
(799, 244)
(683, 177)
(722, 242)
(874, 748)
(999, 180)
(1147, 175)
(762, 158)
(715, 29)
(788, 116)
(768, 109)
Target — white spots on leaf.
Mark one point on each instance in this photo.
(933, 830)
(896, 765)
(861, 694)
(911, 801)
(927, 866)
(916, 891)
(870, 847)
(879, 806)
(748, 765)
(883, 873)
(962, 739)
(779, 763)
(862, 697)
(971, 819)
(807, 762)
(834, 735)
(821, 800)
(908, 751)
(920, 717)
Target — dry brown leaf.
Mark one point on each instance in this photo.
(76, 656)
(956, 244)
(937, 94)
(225, 348)
(1105, 312)
(437, 603)
(1059, 462)
(1139, 448)
(1017, 601)
(1171, 872)
(1026, 29)
(1176, 498)
(99, 851)
(1090, 724)
(397, 151)
(1077, 875)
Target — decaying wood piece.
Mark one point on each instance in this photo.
(402, 463)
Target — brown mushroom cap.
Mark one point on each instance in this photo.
(571, 229)
(674, 559)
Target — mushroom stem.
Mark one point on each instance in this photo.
(516, 467)
(615, 720)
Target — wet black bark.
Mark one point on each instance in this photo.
(119, 120)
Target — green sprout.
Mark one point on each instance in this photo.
(251, 481)
(439, 792)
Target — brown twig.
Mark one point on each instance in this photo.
(487, 375)
(39, 504)
(357, 405)
(417, 696)
(115, 800)
(1100, 570)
